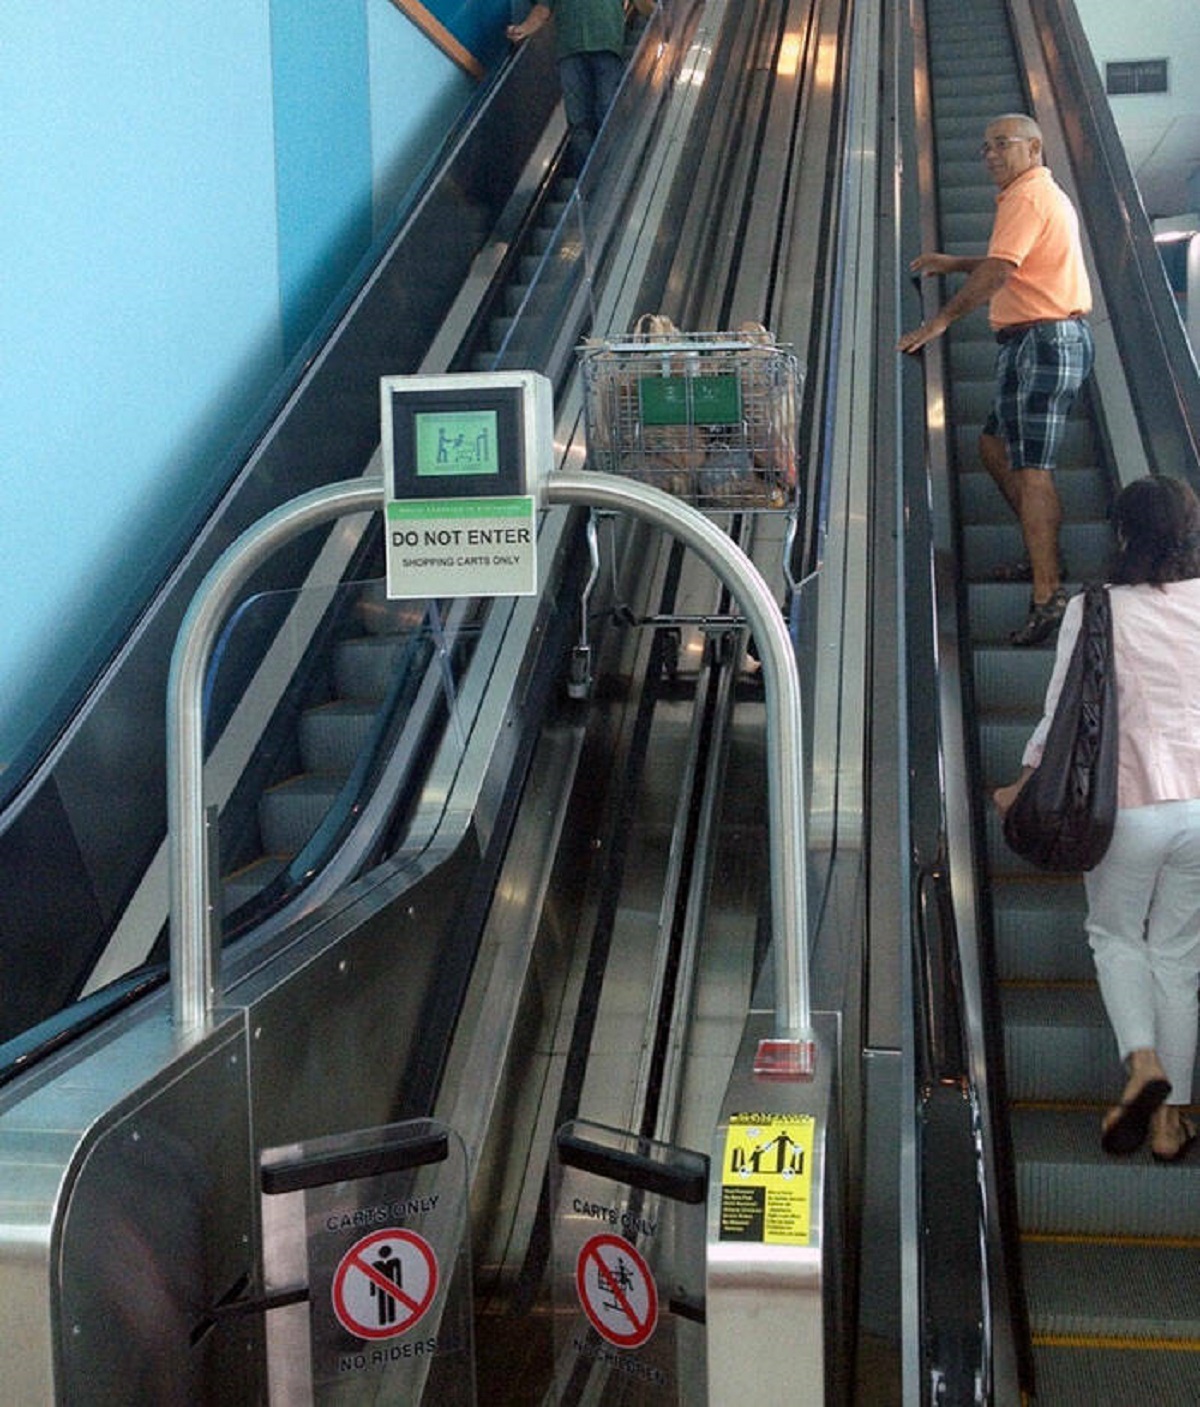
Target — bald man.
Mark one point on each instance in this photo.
(1035, 283)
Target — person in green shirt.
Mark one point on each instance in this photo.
(590, 42)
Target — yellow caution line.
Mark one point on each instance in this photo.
(1057, 984)
(1111, 1341)
(434, 29)
(1075, 1106)
(1095, 1238)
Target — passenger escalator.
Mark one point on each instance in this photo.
(1102, 1273)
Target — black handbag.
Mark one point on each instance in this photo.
(1063, 817)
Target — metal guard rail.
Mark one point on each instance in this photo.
(195, 926)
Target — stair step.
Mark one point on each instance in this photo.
(1084, 1376)
(289, 813)
(1057, 1043)
(365, 665)
(332, 736)
(1067, 1185)
(1081, 487)
(1037, 928)
(1127, 1290)
(990, 547)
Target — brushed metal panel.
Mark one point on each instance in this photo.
(157, 1227)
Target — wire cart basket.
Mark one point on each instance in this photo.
(709, 417)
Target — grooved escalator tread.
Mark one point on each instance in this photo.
(1067, 1185)
(1070, 1288)
(1067, 1375)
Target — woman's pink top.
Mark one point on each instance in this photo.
(1156, 646)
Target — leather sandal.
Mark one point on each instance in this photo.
(1126, 1129)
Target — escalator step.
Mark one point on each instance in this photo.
(988, 93)
(498, 330)
(967, 197)
(990, 547)
(239, 888)
(332, 736)
(995, 609)
(1001, 743)
(289, 814)
(973, 398)
(380, 615)
(969, 230)
(1072, 1377)
(1037, 930)
(1071, 1286)
(364, 665)
(1057, 1042)
(1008, 679)
(973, 357)
(1067, 1186)
(1081, 490)
(962, 170)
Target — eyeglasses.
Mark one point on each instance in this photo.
(1000, 144)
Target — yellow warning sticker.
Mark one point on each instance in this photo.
(766, 1179)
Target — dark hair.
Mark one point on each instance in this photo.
(1158, 532)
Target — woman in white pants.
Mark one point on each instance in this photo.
(1143, 898)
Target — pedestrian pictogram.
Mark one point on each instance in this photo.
(617, 1290)
(384, 1284)
(766, 1181)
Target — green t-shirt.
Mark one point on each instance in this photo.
(588, 26)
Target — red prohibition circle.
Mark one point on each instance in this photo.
(614, 1294)
(397, 1309)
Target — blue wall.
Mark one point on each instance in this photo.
(185, 186)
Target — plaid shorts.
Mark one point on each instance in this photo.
(1038, 373)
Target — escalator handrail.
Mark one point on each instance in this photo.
(1006, 1344)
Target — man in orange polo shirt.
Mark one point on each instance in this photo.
(1034, 280)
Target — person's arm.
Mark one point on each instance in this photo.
(532, 22)
(985, 277)
(935, 262)
(1068, 633)
(1006, 795)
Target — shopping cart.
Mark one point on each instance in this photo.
(709, 417)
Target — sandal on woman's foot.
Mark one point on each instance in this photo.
(1187, 1131)
(1128, 1124)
